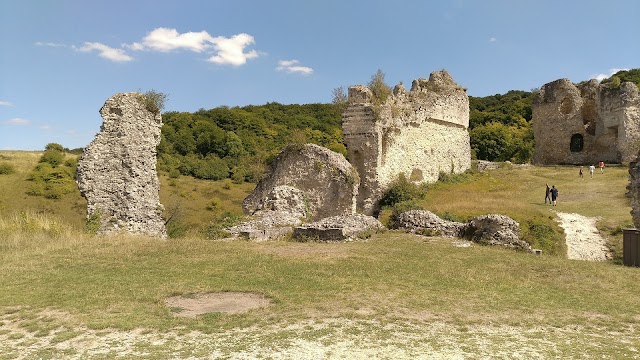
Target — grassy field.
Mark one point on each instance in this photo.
(66, 294)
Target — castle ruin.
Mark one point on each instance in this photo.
(586, 123)
(117, 171)
(419, 133)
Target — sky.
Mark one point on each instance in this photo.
(61, 60)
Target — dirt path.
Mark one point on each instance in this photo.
(583, 239)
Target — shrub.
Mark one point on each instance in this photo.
(93, 223)
(153, 100)
(52, 157)
(402, 190)
(6, 169)
(214, 204)
(54, 147)
(215, 229)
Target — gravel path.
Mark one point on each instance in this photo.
(583, 239)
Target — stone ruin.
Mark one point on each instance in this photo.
(491, 229)
(327, 180)
(304, 182)
(586, 123)
(419, 133)
(117, 171)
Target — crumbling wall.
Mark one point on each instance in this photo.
(329, 183)
(117, 171)
(585, 123)
(419, 133)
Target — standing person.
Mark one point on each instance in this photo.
(581, 175)
(554, 194)
(591, 170)
(601, 167)
(546, 195)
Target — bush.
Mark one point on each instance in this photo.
(54, 147)
(6, 169)
(214, 204)
(52, 157)
(402, 190)
(215, 229)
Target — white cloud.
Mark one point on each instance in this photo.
(601, 77)
(231, 50)
(49, 44)
(293, 67)
(491, 40)
(18, 122)
(6, 103)
(165, 40)
(107, 52)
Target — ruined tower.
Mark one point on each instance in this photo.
(419, 133)
(586, 123)
(117, 171)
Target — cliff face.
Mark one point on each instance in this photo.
(418, 133)
(586, 123)
(117, 171)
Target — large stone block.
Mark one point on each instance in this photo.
(327, 181)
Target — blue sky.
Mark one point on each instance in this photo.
(60, 60)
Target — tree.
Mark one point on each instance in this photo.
(340, 96)
(379, 87)
(54, 147)
(154, 100)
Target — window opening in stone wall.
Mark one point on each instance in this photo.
(577, 143)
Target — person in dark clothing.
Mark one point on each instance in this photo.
(554, 194)
(546, 195)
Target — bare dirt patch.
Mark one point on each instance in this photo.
(190, 306)
(584, 242)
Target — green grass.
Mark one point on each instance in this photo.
(394, 279)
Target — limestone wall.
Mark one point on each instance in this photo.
(418, 133)
(117, 171)
(603, 123)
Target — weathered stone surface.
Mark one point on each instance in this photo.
(425, 222)
(419, 133)
(276, 214)
(329, 183)
(633, 191)
(495, 229)
(586, 123)
(117, 171)
(339, 228)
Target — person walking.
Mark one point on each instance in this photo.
(591, 170)
(547, 195)
(601, 167)
(554, 195)
(581, 175)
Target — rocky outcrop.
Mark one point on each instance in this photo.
(418, 133)
(338, 228)
(425, 222)
(327, 182)
(586, 123)
(117, 171)
(495, 229)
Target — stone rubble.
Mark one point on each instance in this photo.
(339, 228)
